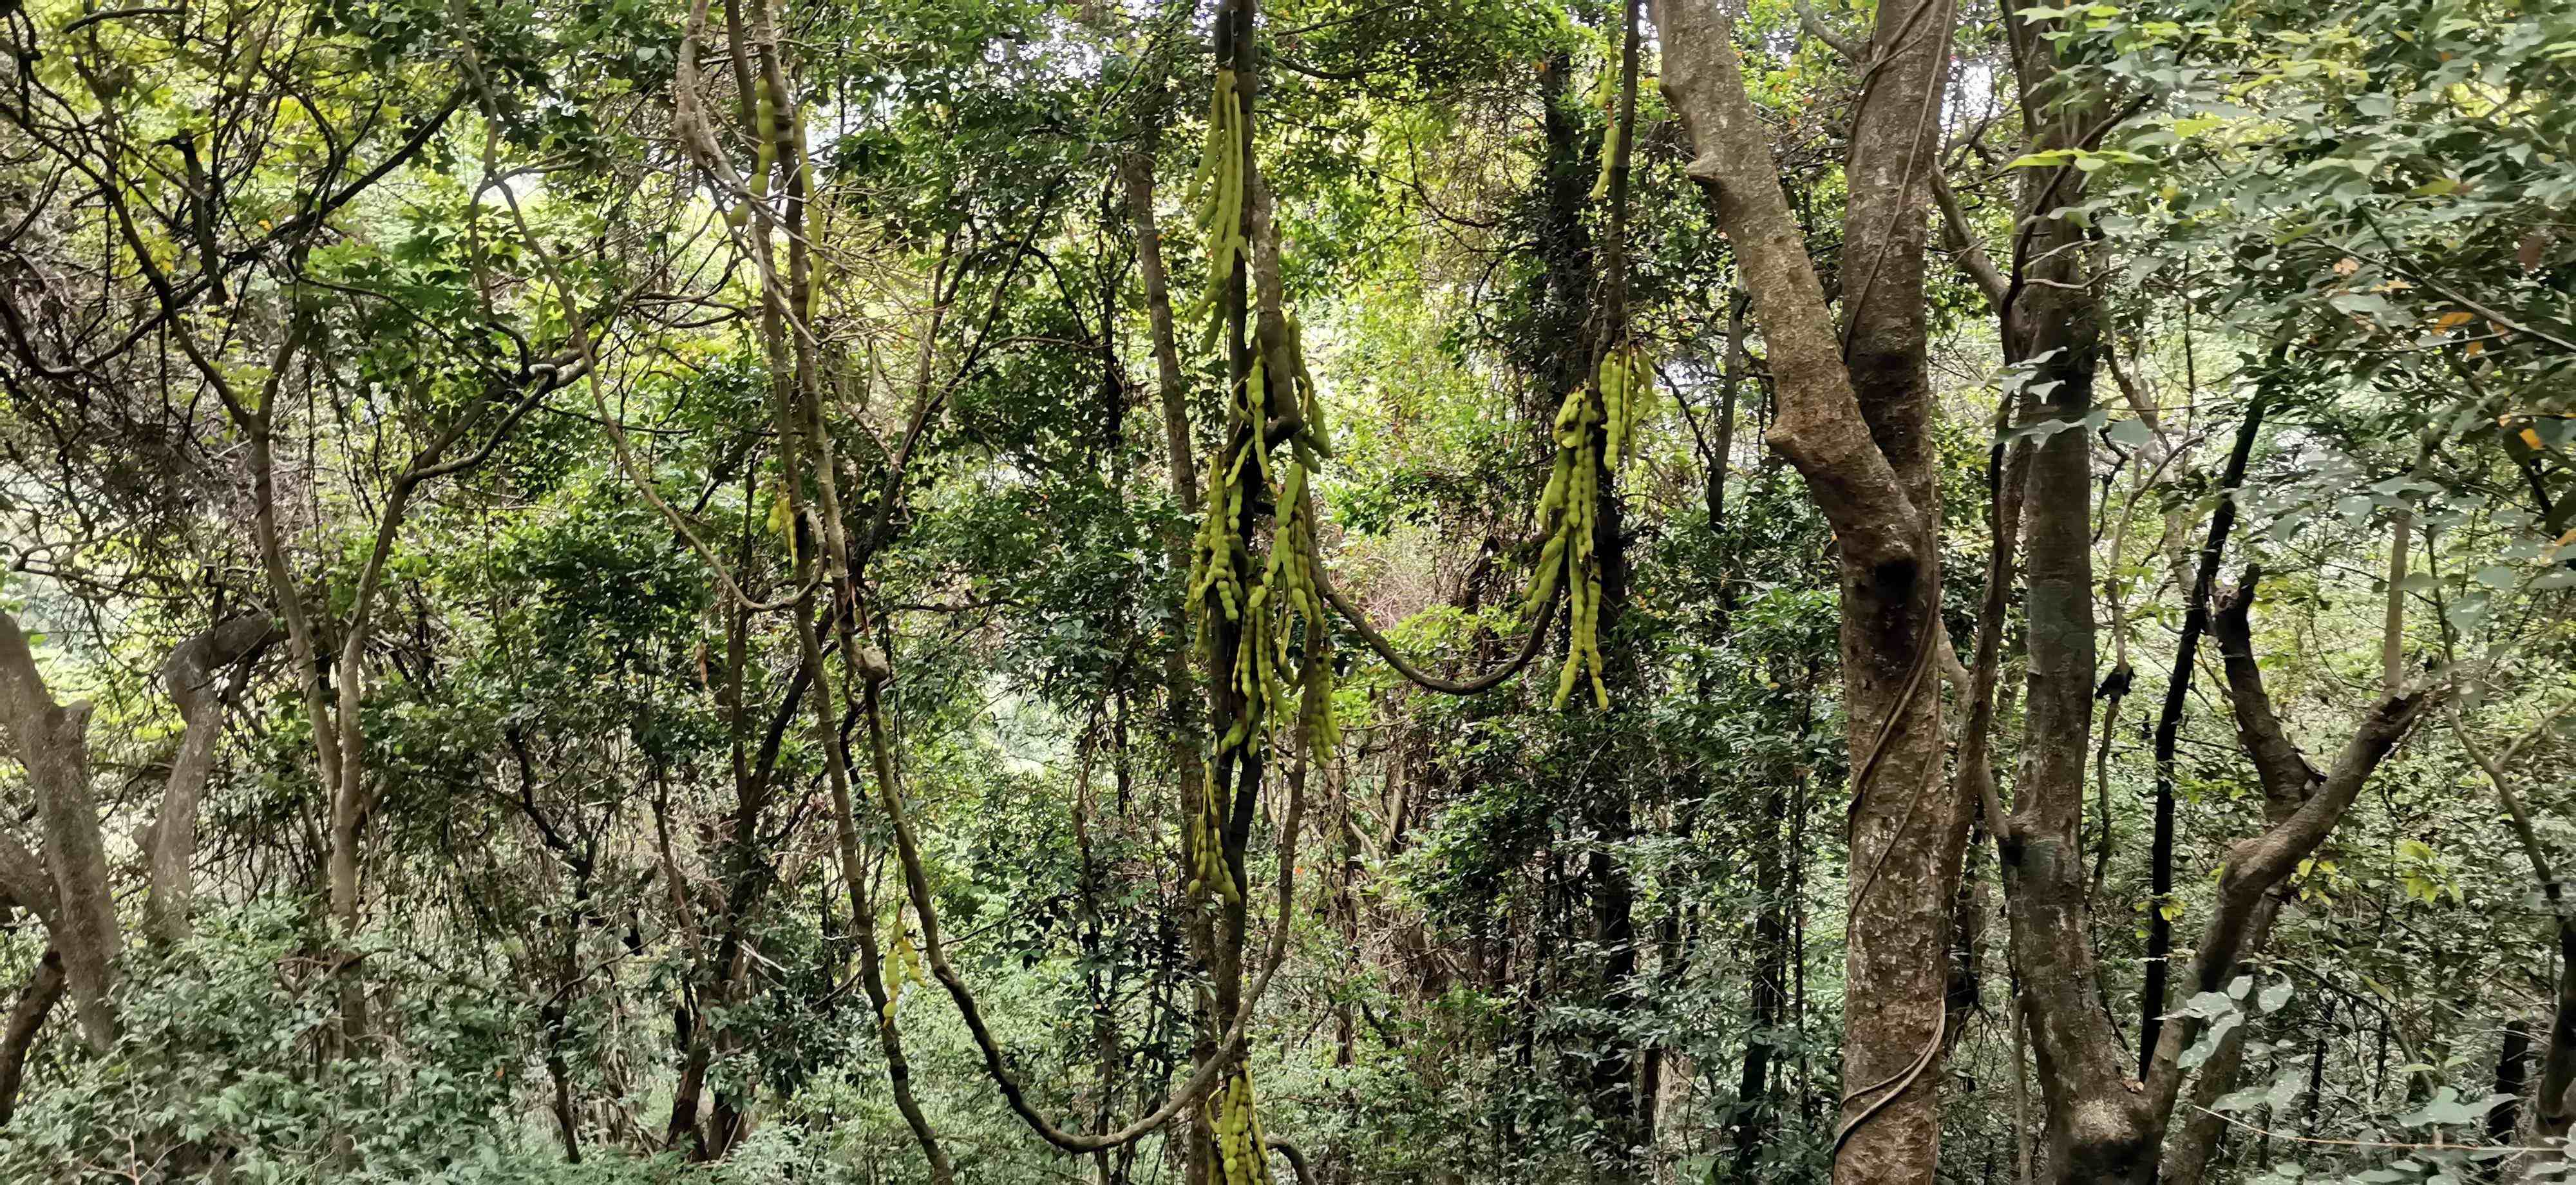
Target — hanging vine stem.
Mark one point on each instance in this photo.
(1258, 611)
(1224, 587)
(1231, 1046)
(1247, 606)
(1358, 621)
(1624, 381)
(1595, 427)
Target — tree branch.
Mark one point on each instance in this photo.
(2287, 775)
(1972, 257)
(1820, 426)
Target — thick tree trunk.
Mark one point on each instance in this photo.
(2097, 1129)
(53, 740)
(1858, 436)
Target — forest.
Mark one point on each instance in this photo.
(1287, 592)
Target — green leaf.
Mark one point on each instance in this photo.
(2207, 1046)
(2208, 1006)
(2447, 1108)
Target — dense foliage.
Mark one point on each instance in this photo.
(1439, 591)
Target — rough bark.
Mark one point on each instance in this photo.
(2096, 1128)
(2101, 1126)
(26, 884)
(1895, 150)
(52, 739)
(1819, 424)
(1857, 435)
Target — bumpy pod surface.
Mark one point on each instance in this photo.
(1568, 513)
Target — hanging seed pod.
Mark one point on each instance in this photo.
(1234, 1126)
(1612, 378)
(1311, 404)
(1216, 200)
(1609, 156)
(764, 119)
(1641, 392)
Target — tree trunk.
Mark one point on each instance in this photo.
(2097, 1129)
(189, 676)
(2169, 727)
(1180, 461)
(2513, 1071)
(1858, 436)
(1235, 785)
(1755, 1107)
(2189, 1153)
(25, 1018)
(53, 740)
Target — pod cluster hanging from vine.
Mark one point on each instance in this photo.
(1243, 1157)
(1216, 199)
(1265, 597)
(1621, 389)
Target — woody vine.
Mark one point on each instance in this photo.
(1260, 626)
